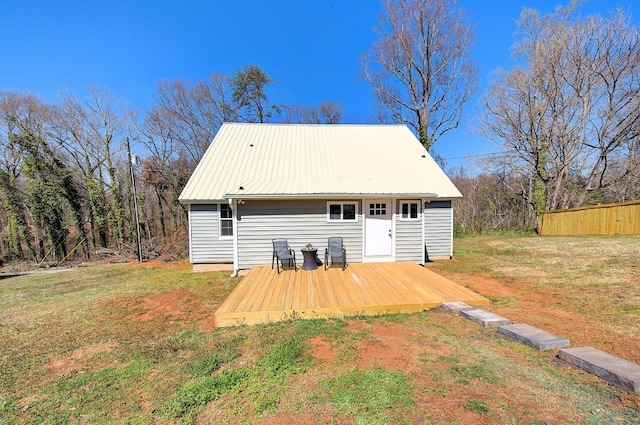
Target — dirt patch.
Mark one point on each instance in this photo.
(61, 365)
(289, 418)
(172, 303)
(391, 346)
(169, 306)
(321, 349)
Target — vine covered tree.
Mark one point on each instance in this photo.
(15, 237)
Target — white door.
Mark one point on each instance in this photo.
(378, 237)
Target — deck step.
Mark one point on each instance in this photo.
(484, 318)
(533, 337)
(456, 306)
(612, 369)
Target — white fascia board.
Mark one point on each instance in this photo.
(329, 196)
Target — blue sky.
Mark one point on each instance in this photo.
(311, 47)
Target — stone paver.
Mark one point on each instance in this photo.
(615, 370)
(484, 318)
(456, 306)
(533, 337)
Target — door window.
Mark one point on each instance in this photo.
(378, 208)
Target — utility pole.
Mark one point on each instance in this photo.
(134, 161)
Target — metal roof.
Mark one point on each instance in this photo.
(315, 160)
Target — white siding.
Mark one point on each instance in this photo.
(300, 222)
(438, 229)
(409, 238)
(206, 246)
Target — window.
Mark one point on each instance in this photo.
(335, 212)
(226, 220)
(379, 208)
(342, 211)
(409, 210)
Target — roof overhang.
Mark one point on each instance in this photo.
(332, 196)
(327, 195)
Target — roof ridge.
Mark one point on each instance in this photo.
(275, 124)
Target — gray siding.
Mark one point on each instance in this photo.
(438, 228)
(206, 247)
(408, 237)
(300, 222)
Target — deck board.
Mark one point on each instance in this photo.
(367, 289)
(396, 290)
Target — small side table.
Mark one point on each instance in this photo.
(309, 255)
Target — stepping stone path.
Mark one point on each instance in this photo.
(456, 306)
(615, 370)
(612, 369)
(533, 337)
(484, 318)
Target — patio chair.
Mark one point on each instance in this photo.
(335, 249)
(282, 252)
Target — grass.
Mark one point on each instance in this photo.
(375, 396)
(189, 400)
(211, 361)
(477, 406)
(134, 344)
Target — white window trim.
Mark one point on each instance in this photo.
(220, 235)
(417, 218)
(341, 219)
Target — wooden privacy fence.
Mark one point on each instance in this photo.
(608, 220)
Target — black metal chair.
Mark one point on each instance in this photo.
(335, 249)
(282, 252)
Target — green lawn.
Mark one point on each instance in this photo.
(134, 344)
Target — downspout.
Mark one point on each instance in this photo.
(451, 243)
(190, 240)
(233, 204)
(394, 217)
(424, 241)
(364, 234)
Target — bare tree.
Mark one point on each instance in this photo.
(177, 132)
(331, 112)
(569, 116)
(325, 113)
(187, 116)
(421, 68)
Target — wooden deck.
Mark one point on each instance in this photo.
(362, 289)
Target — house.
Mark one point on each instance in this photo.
(373, 185)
